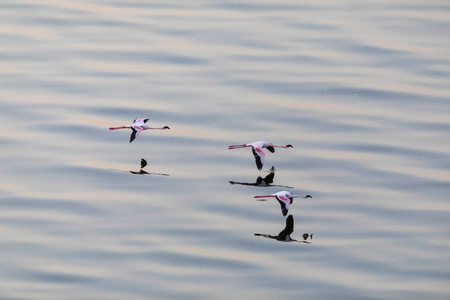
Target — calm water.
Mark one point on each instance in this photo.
(360, 89)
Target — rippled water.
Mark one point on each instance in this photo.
(360, 89)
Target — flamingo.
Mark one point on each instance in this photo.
(137, 126)
(285, 198)
(257, 149)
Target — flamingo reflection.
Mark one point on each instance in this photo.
(285, 234)
(263, 182)
(141, 171)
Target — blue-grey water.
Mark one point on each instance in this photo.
(361, 89)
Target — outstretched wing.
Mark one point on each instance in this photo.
(140, 121)
(271, 149)
(284, 203)
(259, 154)
(284, 235)
(135, 133)
(143, 163)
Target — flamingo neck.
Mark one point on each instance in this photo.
(121, 127)
(301, 196)
(145, 127)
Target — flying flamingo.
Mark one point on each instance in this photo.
(137, 126)
(257, 149)
(285, 198)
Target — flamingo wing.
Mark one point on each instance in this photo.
(143, 163)
(259, 154)
(135, 133)
(284, 203)
(286, 232)
(271, 149)
(140, 121)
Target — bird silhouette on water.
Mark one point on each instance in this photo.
(141, 171)
(285, 234)
(263, 182)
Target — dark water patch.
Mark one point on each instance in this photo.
(313, 26)
(278, 87)
(265, 7)
(430, 126)
(151, 5)
(318, 122)
(53, 277)
(380, 95)
(62, 86)
(196, 260)
(33, 222)
(386, 150)
(380, 265)
(305, 286)
(143, 57)
(298, 59)
(126, 113)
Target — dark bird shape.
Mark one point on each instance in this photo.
(263, 182)
(285, 234)
(143, 163)
(141, 171)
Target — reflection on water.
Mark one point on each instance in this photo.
(285, 234)
(141, 171)
(263, 182)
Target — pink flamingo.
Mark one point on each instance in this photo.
(137, 126)
(257, 149)
(285, 198)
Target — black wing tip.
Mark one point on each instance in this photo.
(143, 163)
(133, 134)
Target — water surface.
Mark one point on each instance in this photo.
(359, 89)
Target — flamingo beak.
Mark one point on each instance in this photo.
(166, 127)
(289, 146)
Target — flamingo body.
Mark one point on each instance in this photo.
(137, 127)
(257, 149)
